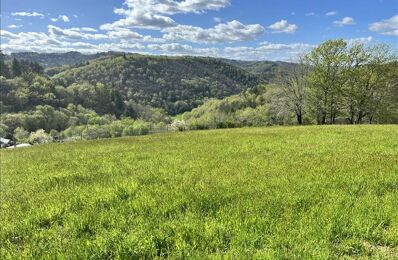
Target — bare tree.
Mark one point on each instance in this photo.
(294, 86)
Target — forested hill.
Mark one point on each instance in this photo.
(176, 84)
(267, 70)
(48, 60)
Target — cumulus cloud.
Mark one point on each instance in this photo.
(29, 14)
(310, 14)
(223, 32)
(345, 21)
(155, 14)
(140, 20)
(386, 27)
(34, 42)
(62, 18)
(331, 13)
(7, 34)
(264, 51)
(84, 29)
(171, 7)
(178, 49)
(74, 34)
(283, 27)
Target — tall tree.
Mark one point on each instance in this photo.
(16, 68)
(4, 70)
(328, 62)
(294, 86)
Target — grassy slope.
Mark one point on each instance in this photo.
(293, 192)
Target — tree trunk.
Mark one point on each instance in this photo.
(299, 119)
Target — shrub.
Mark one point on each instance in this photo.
(40, 137)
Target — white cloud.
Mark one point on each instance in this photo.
(55, 41)
(177, 49)
(29, 14)
(74, 34)
(63, 18)
(141, 20)
(223, 32)
(283, 27)
(7, 34)
(331, 13)
(310, 14)
(386, 27)
(154, 14)
(125, 34)
(264, 51)
(362, 40)
(84, 29)
(14, 26)
(344, 21)
(171, 7)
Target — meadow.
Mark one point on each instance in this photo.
(314, 192)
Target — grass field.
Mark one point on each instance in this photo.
(262, 193)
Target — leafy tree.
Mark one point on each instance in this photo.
(16, 68)
(40, 137)
(328, 63)
(21, 135)
(4, 70)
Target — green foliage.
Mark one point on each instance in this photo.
(50, 60)
(319, 192)
(40, 137)
(256, 107)
(176, 84)
(350, 82)
(21, 135)
(269, 71)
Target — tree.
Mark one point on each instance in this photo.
(370, 75)
(40, 137)
(4, 70)
(21, 135)
(117, 101)
(294, 86)
(327, 62)
(16, 68)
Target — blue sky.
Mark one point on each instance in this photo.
(240, 29)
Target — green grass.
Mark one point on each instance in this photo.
(262, 193)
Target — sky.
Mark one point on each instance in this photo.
(236, 29)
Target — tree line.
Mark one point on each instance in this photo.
(336, 83)
(342, 83)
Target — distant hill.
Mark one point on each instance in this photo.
(267, 70)
(176, 84)
(48, 60)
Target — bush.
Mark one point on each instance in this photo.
(178, 125)
(96, 132)
(40, 137)
(21, 135)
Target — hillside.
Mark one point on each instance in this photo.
(176, 84)
(261, 193)
(48, 60)
(268, 70)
